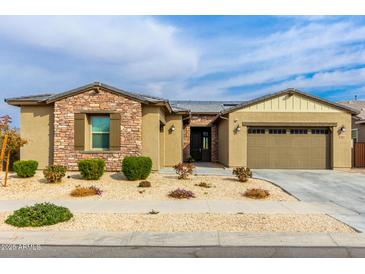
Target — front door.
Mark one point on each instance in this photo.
(200, 144)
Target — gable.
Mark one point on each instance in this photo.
(289, 102)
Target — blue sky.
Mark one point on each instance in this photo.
(183, 57)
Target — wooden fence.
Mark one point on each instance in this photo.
(359, 155)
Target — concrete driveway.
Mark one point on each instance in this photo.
(341, 188)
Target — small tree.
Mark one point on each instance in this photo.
(10, 140)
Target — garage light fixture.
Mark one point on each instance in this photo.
(172, 129)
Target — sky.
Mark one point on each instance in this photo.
(183, 57)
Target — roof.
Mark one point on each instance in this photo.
(52, 97)
(291, 91)
(206, 107)
(356, 104)
(183, 106)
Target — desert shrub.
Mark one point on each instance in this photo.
(256, 193)
(184, 170)
(136, 167)
(153, 212)
(80, 191)
(204, 185)
(242, 173)
(25, 169)
(181, 194)
(39, 215)
(54, 174)
(144, 184)
(91, 169)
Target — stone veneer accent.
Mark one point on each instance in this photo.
(201, 120)
(131, 127)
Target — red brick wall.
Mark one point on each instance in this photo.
(198, 120)
(131, 127)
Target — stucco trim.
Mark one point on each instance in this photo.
(294, 124)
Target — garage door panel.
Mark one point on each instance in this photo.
(296, 151)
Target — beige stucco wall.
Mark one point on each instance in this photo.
(173, 140)
(164, 147)
(36, 126)
(223, 143)
(341, 143)
(151, 134)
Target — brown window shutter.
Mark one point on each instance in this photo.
(79, 131)
(114, 137)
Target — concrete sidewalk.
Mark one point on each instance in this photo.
(190, 206)
(181, 239)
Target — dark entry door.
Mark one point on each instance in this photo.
(200, 144)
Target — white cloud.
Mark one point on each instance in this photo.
(139, 48)
(147, 55)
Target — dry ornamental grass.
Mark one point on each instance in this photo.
(256, 193)
(85, 191)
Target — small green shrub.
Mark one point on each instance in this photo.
(91, 169)
(144, 184)
(242, 173)
(136, 167)
(54, 174)
(25, 169)
(39, 215)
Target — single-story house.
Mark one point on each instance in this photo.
(358, 121)
(287, 129)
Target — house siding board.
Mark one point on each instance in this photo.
(289, 103)
(130, 127)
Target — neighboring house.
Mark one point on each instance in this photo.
(287, 129)
(358, 122)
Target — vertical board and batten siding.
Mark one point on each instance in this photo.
(288, 103)
(359, 155)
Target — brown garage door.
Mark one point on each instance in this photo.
(296, 148)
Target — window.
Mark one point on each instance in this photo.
(256, 130)
(355, 134)
(299, 131)
(100, 131)
(277, 131)
(319, 131)
(205, 140)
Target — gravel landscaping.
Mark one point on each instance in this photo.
(194, 223)
(116, 187)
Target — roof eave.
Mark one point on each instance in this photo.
(19, 103)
